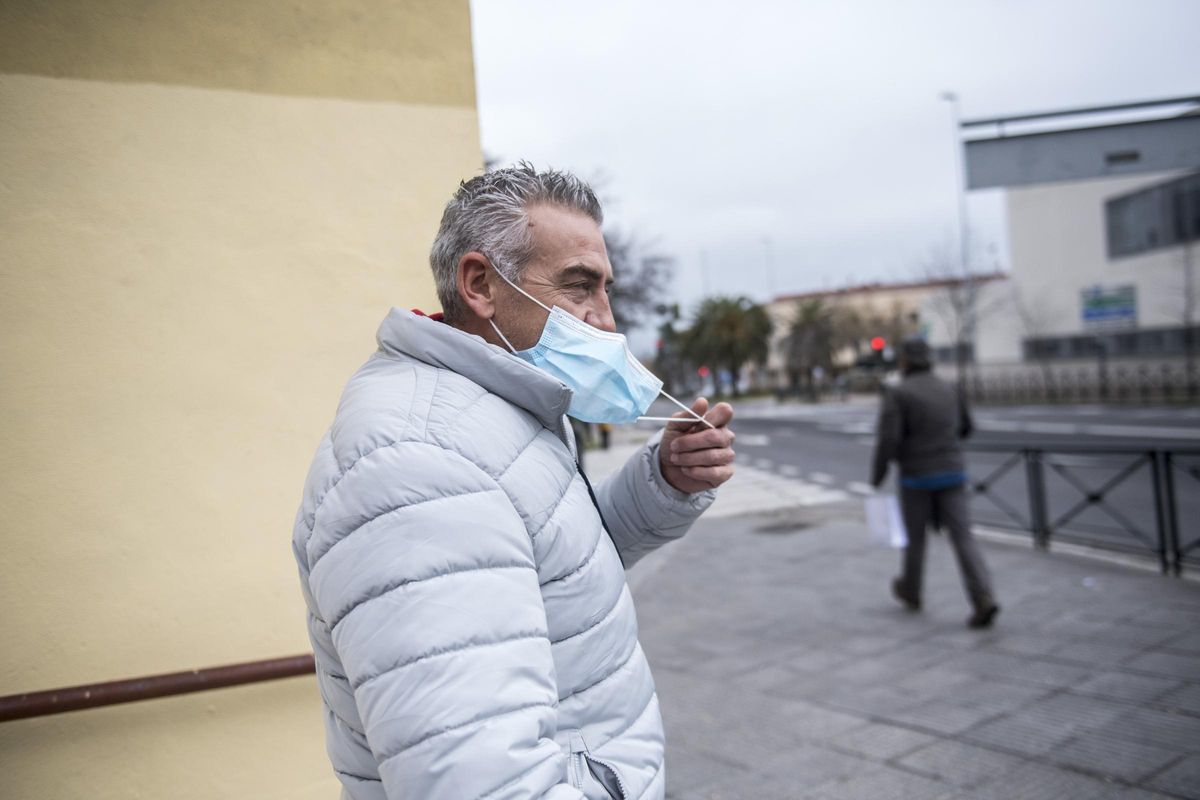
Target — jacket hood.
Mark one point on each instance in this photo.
(496, 370)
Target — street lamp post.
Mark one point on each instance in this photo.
(967, 325)
(960, 188)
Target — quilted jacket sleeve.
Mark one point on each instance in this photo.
(425, 575)
(642, 510)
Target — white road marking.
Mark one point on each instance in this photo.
(1068, 428)
(859, 487)
(753, 490)
(753, 440)
(991, 424)
(764, 463)
(852, 427)
(821, 477)
(789, 471)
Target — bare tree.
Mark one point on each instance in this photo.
(1037, 323)
(958, 298)
(641, 277)
(1189, 311)
(1182, 306)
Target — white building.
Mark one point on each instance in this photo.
(1103, 223)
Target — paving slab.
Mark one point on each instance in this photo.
(1181, 779)
(785, 670)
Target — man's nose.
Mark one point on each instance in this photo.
(602, 317)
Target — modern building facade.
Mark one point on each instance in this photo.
(1103, 225)
(205, 211)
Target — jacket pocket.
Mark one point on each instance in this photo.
(607, 776)
(595, 777)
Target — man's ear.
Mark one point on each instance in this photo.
(475, 285)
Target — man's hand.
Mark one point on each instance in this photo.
(695, 457)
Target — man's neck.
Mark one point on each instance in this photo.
(479, 327)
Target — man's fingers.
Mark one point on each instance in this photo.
(710, 457)
(713, 476)
(720, 414)
(687, 421)
(703, 440)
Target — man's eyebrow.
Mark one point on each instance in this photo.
(584, 271)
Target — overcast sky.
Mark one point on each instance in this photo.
(801, 145)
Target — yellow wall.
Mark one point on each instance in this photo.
(205, 211)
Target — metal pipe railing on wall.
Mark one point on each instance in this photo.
(95, 695)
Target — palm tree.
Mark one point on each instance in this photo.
(728, 332)
(810, 342)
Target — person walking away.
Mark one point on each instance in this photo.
(922, 421)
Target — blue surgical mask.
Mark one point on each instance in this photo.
(608, 384)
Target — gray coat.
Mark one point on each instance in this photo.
(474, 634)
(920, 424)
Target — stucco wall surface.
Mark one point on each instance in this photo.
(188, 273)
(408, 51)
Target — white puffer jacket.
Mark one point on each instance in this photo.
(474, 634)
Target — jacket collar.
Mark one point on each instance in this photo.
(498, 371)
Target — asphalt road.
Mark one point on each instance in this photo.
(830, 444)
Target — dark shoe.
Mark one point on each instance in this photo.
(907, 600)
(983, 617)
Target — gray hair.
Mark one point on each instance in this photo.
(490, 214)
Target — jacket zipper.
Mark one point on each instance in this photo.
(569, 437)
(611, 768)
(577, 765)
(580, 755)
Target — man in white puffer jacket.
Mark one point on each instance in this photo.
(467, 604)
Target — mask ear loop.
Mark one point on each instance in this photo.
(502, 336)
(519, 289)
(676, 419)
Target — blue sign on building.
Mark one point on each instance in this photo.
(1107, 308)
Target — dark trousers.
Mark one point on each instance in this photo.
(949, 507)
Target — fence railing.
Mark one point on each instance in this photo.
(1165, 538)
(1123, 383)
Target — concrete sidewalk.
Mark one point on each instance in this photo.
(785, 670)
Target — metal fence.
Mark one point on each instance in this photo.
(1163, 477)
(1123, 383)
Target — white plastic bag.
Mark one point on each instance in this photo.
(884, 521)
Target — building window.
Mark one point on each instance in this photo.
(1122, 157)
(1165, 215)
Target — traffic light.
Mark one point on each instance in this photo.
(878, 343)
(702, 372)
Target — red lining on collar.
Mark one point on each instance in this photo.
(435, 316)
